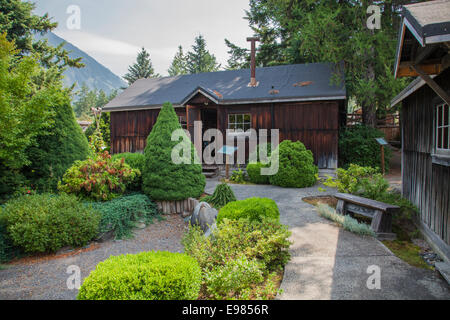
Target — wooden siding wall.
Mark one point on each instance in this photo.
(425, 183)
(316, 124)
(130, 129)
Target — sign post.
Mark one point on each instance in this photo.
(382, 143)
(227, 151)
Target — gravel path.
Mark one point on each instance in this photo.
(44, 280)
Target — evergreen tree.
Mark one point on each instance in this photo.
(20, 23)
(141, 69)
(239, 57)
(56, 148)
(333, 31)
(179, 64)
(199, 59)
(162, 179)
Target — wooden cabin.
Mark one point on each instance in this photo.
(423, 52)
(301, 100)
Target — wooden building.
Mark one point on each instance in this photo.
(302, 101)
(423, 52)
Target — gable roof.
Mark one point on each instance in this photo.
(298, 82)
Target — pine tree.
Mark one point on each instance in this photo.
(199, 59)
(179, 64)
(163, 180)
(239, 57)
(141, 69)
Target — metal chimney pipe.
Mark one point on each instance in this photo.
(253, 82)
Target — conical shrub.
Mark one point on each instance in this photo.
(221, 196)
(164, 180)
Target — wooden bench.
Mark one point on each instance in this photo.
(380, 213)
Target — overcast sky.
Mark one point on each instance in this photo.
(113, 31)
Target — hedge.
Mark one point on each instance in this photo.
(254, 209)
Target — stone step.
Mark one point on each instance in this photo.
(209, 168)
(209, 174)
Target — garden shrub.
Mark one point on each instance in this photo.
(238, 176)
(149, 275)
(347, 222)
(104, 125)
(46, 223)
(7, 249)
(296, 167)
(121, 214)
(234, 279)
(240, 246)
(135, 161)
(98, 178)
(162, 178)
(221, 196)
(254, 209)
(56, 148)
(357, 145)
(254, 173)
(266, 149)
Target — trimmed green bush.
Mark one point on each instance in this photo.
(221, 196)
(7, 250)
(254, 209)
(296, 167)
(254, 173)
(240, 249)
(266, 149)
(121, 214)
(145, 276)
(357, 145)
(46, 223)
(236, 277)
(56, 149)
(162, 178)
(135, 161)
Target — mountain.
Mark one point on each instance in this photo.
(94, 74)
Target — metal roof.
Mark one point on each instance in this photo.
(298, 82)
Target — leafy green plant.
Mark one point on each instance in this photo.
(254, 209)
(7, 249)
(266, 241)
(265, 149)
(238, 176)
(162, 178)
(135, 161)
(46, 223)
(296, 167)
(221, 196)
(234, 279)
(98, 178)
(347, 222)
(254, 173)
(121, 214)
(159, 275)
(357, 145)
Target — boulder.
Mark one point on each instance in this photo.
(204, 216)
(210, 230)
(196, 212)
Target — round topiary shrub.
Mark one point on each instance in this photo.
(46, 223)
(149, 275)
(357, 145)
(254, 173)
(296, 167)
(162, 178)
(254, 209)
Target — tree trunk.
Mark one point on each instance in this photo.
(369, 115)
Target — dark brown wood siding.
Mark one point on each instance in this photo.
(426, 184)
(316, 124)
(130, 129)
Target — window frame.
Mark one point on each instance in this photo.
(436, 127)
(243, 123)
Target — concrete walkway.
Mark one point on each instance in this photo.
(330, 263)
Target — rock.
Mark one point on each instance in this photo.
(185, 214)
(196, 212)
(106, 236)
(210, 230)
(207, 217)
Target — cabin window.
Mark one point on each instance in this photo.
(443, 129)
(239, 122)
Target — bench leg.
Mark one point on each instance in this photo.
(382, 225)
(340, 207)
